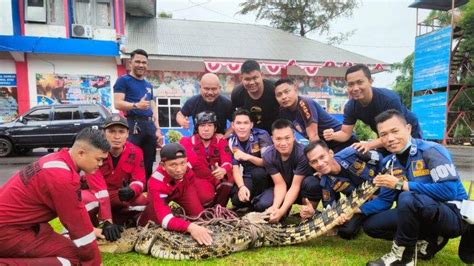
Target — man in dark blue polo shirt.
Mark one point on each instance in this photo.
(288, 166)
(133, 95)
(307, 116)
(210, 99)
(247, 144)
(366, 103)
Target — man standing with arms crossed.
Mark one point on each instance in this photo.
(134, 96)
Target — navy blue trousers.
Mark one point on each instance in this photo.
(146, 140)
(310, 189)
(417, 216)
(257, 181)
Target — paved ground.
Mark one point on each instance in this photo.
(463, 158)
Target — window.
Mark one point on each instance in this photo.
(167, 110)
(38, 115)
(94, 12)
(66, 114)
(90, 112)
(55, 9)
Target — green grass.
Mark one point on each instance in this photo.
(321, 251)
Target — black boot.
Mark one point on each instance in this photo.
(428, 248)
(399, 255)
(466, 246)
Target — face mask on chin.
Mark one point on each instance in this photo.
(408, 145)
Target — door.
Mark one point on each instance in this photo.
(65, 124)
(32, 130)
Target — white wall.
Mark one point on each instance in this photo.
(45, 30)
(7, 66)
(61, 64)
(6, 19)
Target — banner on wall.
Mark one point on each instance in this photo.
(67, 88)
(8, 98)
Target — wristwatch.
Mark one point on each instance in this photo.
(399, 185)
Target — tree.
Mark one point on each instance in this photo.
(163, 14)
(301, 16)
(404, 81)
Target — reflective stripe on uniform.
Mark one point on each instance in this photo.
(56, 164)
(85, 240)
(92, 205)
(163, 195)
(189, 165)
(166, 220)
(138, 208)
(226, 163)
(63, 261)
(137, 183)
(102, 194)
(157, 175)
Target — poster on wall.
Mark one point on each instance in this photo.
(8, 98)
(67, 88)
(329, 92)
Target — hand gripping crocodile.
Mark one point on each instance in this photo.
(235, 234)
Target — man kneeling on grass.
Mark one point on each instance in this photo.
(174, 181)
(340, 173)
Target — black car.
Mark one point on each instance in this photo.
(49, 126)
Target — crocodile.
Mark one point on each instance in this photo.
(236, 234)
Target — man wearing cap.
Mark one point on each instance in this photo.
(174, 180)
(247, 145)
(210, 157)
(123, 173)
(210, 99)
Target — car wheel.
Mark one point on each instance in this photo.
(6, 147)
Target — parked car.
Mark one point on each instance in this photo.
(49, 126)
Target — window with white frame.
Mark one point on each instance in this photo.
(93, 12)
(52, 10)
(167, 110)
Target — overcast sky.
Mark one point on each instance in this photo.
(384, 29)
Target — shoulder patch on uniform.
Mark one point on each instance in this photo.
(28, 172)
(304, 108)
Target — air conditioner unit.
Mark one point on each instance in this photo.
(35, 11)
(82, 31)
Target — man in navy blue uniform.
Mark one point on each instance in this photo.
(366, 103)
(340, 173)
(247, 144)
(421, 177)
(133, 95)
(308, 117)
(210, 99)
(293, 178)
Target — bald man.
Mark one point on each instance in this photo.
(209, 99)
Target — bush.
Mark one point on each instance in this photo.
(174, 136)
(363, 131)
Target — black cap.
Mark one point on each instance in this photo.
(115, 119)
(172, 151)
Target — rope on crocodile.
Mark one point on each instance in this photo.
(232, 234)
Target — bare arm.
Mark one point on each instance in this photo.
(340, 136)
(120, 103)
(292, 193)
(312, 132)
(182, 120)
(279, 191)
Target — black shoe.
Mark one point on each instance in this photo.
(427, 249)
(399, 255)
(466, 246)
